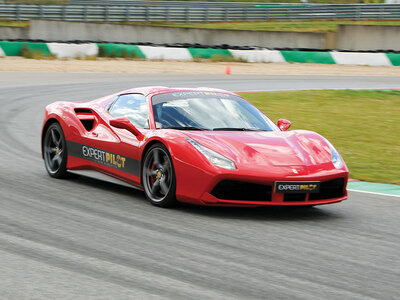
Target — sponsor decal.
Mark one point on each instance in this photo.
(219, 95)
(181, 95)
(103, 157)
(200, 94)
(296, 187)
(187, 94)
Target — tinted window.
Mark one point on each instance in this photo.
(207, 110)
(133, 107)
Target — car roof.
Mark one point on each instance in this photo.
(149, 90)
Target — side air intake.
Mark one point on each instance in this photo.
(87, 118)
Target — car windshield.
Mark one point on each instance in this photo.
(196, 110)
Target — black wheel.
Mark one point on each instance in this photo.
(158, 179)
(55, 151)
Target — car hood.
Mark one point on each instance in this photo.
(262, 148)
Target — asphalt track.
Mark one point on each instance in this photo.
(86, 238)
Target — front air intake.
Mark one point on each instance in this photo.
(239, 190)
(329, 190)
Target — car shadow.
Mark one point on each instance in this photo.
(281, 213)
(116, 186)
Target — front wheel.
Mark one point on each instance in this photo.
(159, 180)
(55, 151)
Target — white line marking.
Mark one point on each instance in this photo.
(381, 194)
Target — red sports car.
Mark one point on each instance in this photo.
(195, 145)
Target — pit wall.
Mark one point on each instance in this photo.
(380, 38)
(48, 30)
(368, 37)
(64, 50)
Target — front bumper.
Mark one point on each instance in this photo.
(276, 200)
(255, 190)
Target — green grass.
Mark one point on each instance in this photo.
(13, 23)
(363, 125)
(38, 1)
(299, 26)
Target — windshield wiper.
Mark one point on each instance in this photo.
(184, 128)
(236, 129)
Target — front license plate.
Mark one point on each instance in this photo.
(297, 187)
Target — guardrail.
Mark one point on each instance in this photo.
(167, 3)
(189, 14)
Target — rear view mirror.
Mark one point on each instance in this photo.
(283, 124)
(124, 123)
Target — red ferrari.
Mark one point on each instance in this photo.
(194, 145)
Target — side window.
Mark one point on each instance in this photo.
(133, 107)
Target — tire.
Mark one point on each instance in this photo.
(158, 177)
(55, 151)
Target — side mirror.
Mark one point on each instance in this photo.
(283, 124)
(124, 123)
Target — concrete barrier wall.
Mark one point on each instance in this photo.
(368, 37)
(14, 33)
(348, 37)
(72, 31)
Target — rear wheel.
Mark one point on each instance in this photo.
(55, 151)
(159, 180)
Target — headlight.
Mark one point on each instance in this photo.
(335, 157)
(213, 157)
